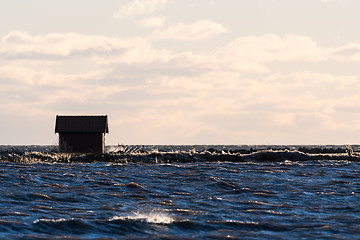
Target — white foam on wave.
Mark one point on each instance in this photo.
(52, 220)
(151, 217)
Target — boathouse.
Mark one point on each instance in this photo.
(82, 134)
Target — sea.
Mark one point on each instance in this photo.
(181, 192)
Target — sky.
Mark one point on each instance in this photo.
(182, 72)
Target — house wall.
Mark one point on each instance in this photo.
(82, 142)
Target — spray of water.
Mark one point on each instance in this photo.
(153, 217)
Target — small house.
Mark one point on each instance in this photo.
(82, 134)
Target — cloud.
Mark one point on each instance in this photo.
(350, 52)
(233, 92)
(140, 7)
(21, 43)
(250, 53)
(187, 32)
(152, 22)
(271, 47)
(55, 46)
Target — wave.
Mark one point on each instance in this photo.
(152, 217)
(141, 155)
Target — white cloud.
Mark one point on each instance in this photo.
(56, 44)
(140, 7)
(243, 54)
(271, 47)
(152, 22)
(232, 90)
(53, 46)
(186, 32)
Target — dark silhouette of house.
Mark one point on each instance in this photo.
(82, 134)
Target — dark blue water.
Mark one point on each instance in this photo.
(212, 200)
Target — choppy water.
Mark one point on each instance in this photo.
(315, 199)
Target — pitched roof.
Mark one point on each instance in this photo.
(81, 124)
